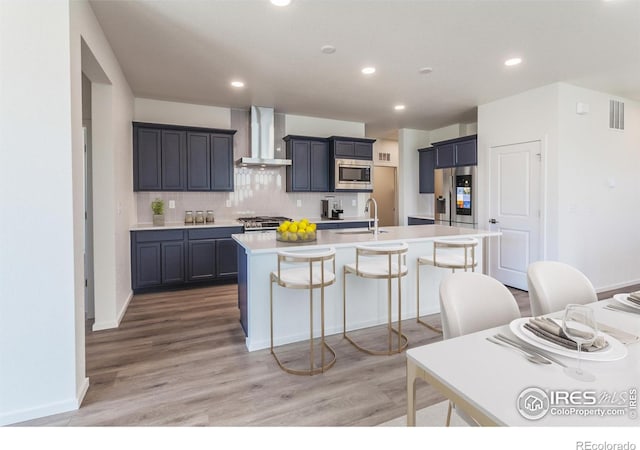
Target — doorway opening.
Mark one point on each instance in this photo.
(385, 192)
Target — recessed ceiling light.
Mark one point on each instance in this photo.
(369, 70)
(281, 2)
(237, 84)
(399, 107)
(513, 62)
(425, 70)
(328, 49)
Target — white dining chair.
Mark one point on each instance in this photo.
(553, 285)
(470, 302)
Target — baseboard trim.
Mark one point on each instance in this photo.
(612, 287)
(38, 411)
(82, 391)
(108, 324)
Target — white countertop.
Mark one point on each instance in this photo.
(266, 242)
(182, 225)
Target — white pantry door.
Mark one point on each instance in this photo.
(515, 208)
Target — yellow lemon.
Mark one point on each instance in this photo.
(305, 221)
(284, 235)
(284, 226)
(302, 227)
(293, 227)
(293, 237)
(311, 227)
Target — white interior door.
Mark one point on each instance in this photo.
(515, 208)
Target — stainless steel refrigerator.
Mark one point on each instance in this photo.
(456, 197)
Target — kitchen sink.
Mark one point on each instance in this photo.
(357, 231)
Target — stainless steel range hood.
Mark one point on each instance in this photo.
(262, 140)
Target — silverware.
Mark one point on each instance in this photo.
(536, 359)
(619, 309)
(529, 348)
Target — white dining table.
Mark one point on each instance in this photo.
(490, 383)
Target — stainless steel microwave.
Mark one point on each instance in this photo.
(353, 174)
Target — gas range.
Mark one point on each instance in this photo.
(262, 223)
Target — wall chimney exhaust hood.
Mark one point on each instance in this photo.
(262, 137)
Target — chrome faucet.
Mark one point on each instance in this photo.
(375, 212)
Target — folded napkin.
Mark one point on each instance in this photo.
(551, 331)
(634, 297)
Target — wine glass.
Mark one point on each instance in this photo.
(580, 326)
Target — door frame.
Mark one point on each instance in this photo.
(542, 194)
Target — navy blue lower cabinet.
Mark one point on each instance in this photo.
(202, 260)
(171, 259)
(147, 266)
(172, 262)
(417, 221)
(226, 258)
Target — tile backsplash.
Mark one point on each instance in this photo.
(257, 192)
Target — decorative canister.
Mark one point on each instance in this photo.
(188, 217)
(210, 218)
(199, 217)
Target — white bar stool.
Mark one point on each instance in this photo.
(315, 275)
(449, 254)
(379, 262)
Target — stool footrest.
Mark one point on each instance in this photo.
(403, 342)
(316, 369)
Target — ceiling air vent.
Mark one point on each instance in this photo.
(616, 115)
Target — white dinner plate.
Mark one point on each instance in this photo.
(616, 350)
(622, 299)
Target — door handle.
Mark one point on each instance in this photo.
(493, 221)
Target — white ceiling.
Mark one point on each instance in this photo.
(190, 50)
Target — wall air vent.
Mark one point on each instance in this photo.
(616, 115)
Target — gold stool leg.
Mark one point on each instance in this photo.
(449, 414)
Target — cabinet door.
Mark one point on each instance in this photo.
(363, 150)
(226, 258)
(445, 156)
(221, 163)
(174, 160)
(148, 265)
(198, 162)
(327, 226)
(172, 262)
(147, 170)
(426, 176)
(344, 149)
(319, 166)
(466, 153)
(300, 166)
(202, 260)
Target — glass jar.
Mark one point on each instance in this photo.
(188, 217)
(199, 217)
(210, 216)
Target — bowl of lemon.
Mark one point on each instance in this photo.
(296, 231)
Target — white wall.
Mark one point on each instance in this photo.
(587, 223)
(599, 192)
(157, 111)
(385, 146)
(316, 126)
(113, 199)
(37, 281)
(409, 141)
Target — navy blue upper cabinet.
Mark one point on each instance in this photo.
(466, 153)
(147, 166)
(456, 152)
(174, 160)
(221, 162)
(351, 148)
(178, 158)
(309, 170)
(426, 167)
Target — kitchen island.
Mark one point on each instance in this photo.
(257, 257)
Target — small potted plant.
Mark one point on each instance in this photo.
(157, 206)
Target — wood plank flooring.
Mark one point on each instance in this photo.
(179, 359)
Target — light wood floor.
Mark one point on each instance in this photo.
(179, 359)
